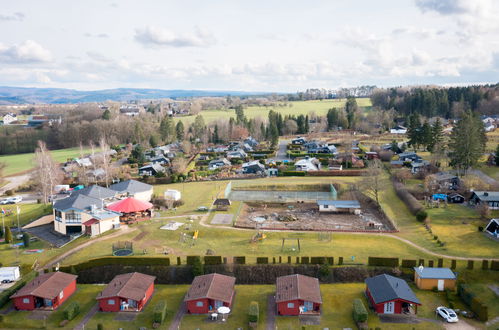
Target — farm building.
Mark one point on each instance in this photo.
(493, 228)
(390, 295)
(48, 291)
(222, 204)
(428, 278)
(298, 294)
(209, 292)
(491, 198)
(126, 292)
(455, 198)
(339, 206)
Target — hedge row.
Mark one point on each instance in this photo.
(191, 260)
(409, 263)
(359, 311)
(71, 311)
(125, 261)
(412, 203)
(293, 173)
(337, 173)
(159, 314)
(212, 260)
(494, 265)
(469, 298)
(384, 262)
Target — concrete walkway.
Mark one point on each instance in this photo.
(122, 231)
(271, 311)
(175, 325)
(87, 317)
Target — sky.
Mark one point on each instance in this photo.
(257, 45)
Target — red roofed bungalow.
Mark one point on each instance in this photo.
(298, 294)
(126, 292)
(209, 292)
(47, 291)
(132, 209)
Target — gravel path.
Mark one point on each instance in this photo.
(271, 311)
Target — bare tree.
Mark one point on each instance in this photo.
(2, 168)
(47, 173)
(373, 182)
(179, 165)
(105, 160)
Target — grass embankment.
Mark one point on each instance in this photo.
(20, 163)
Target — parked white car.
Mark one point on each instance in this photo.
(447, 314)
(14, 200)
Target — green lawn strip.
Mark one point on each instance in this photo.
(238, 318)
(29, 212)
(173, 294)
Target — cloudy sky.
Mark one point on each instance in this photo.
(258, 45)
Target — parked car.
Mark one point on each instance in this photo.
(7, 281)
(447, 314)
(4, 201)
(14, 200)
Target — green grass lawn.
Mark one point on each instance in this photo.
(294, 108)
(29, 212)
(24, 162)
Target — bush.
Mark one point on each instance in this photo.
(239, 260)
(359, 311)
(409, 200)
(494, 265)
(324, 271)
(293, 173)
(212, 260)
(421, 215)
(124, 261)
(340, 261)
(470, 299)
(100, 326)
(26, 240)
(191, 260)
(262, 260)
(318, 260)
(470, 264)
(385, 262)
(71, 311)
(305, 260)
(485, 264)
(409, 263)
(253, 312)
(159, 312)
(197, 267)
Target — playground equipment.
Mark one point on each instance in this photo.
(324, 236)
(259, 236)
(189, 239)
(292, 247)
(122, 249)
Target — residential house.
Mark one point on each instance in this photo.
(130, 110)
(455, 198)
(40, 120)
(308, 164)
(272, 171)
(251, 142)
(493, 228)
(83, 162)
(126, 292)
(297, 295)
(222, 204)
(133, 188)
(161, 160)
(238, 154)
(429, 278)
(9, 118)
(253, 167)
(490, 198)
(390, 295)
(338, 206)
(446, 181)
(419, 166)
(409, 157)
(398, 130)
(47, 291)
(209, 292)
(218, 163)
(370, 155)
(151, 169)
(397, 163)
(299, 141)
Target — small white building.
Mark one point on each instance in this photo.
(172, 194)
(398, 130)
(9, 273)
(9, 118)
(339, 206)
(308, 164)
(493, 228)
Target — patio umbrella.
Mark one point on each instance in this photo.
(129, 205)
(223, 310)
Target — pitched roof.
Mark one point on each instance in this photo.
(340, 204)
(95, 191)
(131, 186)
(212, 286)
(386, 288)
(129, 286)
(221, 201)
(292, 287)
(47, 285)
(434, 272)
(79, 202)
(491, 195)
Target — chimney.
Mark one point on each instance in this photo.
(485, 193)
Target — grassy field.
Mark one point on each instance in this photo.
(294, 108)
(24, 162)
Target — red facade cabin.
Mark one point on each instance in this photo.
(391, 295)
(126, 292)
(298, 294)
(47, 291)
(209, 292)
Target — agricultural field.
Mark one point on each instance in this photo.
(294, 108)
(20, 163)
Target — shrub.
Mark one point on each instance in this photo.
(494, 265)
(26, 240)
(485, 264)
(293, 173)
(71, 311)
(318, 260)
(385, 262)
(159, 312)
(262, 260)
(100, 326)
(324, 271)
(470, 264)
(8, 235)
(212, 260)
(124, 261)
(409, 263)
(359, 311)
(191, 260)
(421, 215)
(340, 261)
(453, 264)
(480, 228)
(469, 298)
(253, 312)
(239, 260)
(197, 267)
(305, 260)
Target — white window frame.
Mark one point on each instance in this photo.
(199, 304)
(291, 305)
(61, 295)
(110, 302)
(26, 301)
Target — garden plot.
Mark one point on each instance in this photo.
(306, 216)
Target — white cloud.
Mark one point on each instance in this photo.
(96, 35)
(13, 17)
(27, 52)
(156, 36)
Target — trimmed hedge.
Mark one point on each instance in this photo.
(409, 200)
(254, 312)
(318, 260)
(409, 263)
(494, 265)
(239, 260)
(359, 311)
(212, 260)
(485, 264)
(470, 264)
(71, 311)
(191, 260)
(469, 298)
(293, 173)
(262, 260)
(159, 314)
(385, 262)
(124, 261)
(347, 172)
(305, 260)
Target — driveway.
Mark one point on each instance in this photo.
(87, 317)
(484, 177)
(175, 325)
(14, 182)
(271, 311)
(282, 150)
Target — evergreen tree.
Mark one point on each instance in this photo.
(426, 135)
(216, 138)
(153, 141)
(332, 118)
(394, 146)
(199, 127)
(437, 135)
(274, 135)
(138, 155)
(197, 267)
(307, 128)
(8, 235)
(240, 117)
(467, 142)
(179, 130)
(26, 240)
(413, 131)
(106, 115)
(166, 129)
(351, 107)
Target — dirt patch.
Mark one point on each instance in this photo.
(140, 236)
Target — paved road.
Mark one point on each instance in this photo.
(281, 151)
(271, 310)
(87, 317)
(484, 177)
(175, 325)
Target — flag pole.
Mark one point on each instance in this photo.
(18, 226)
